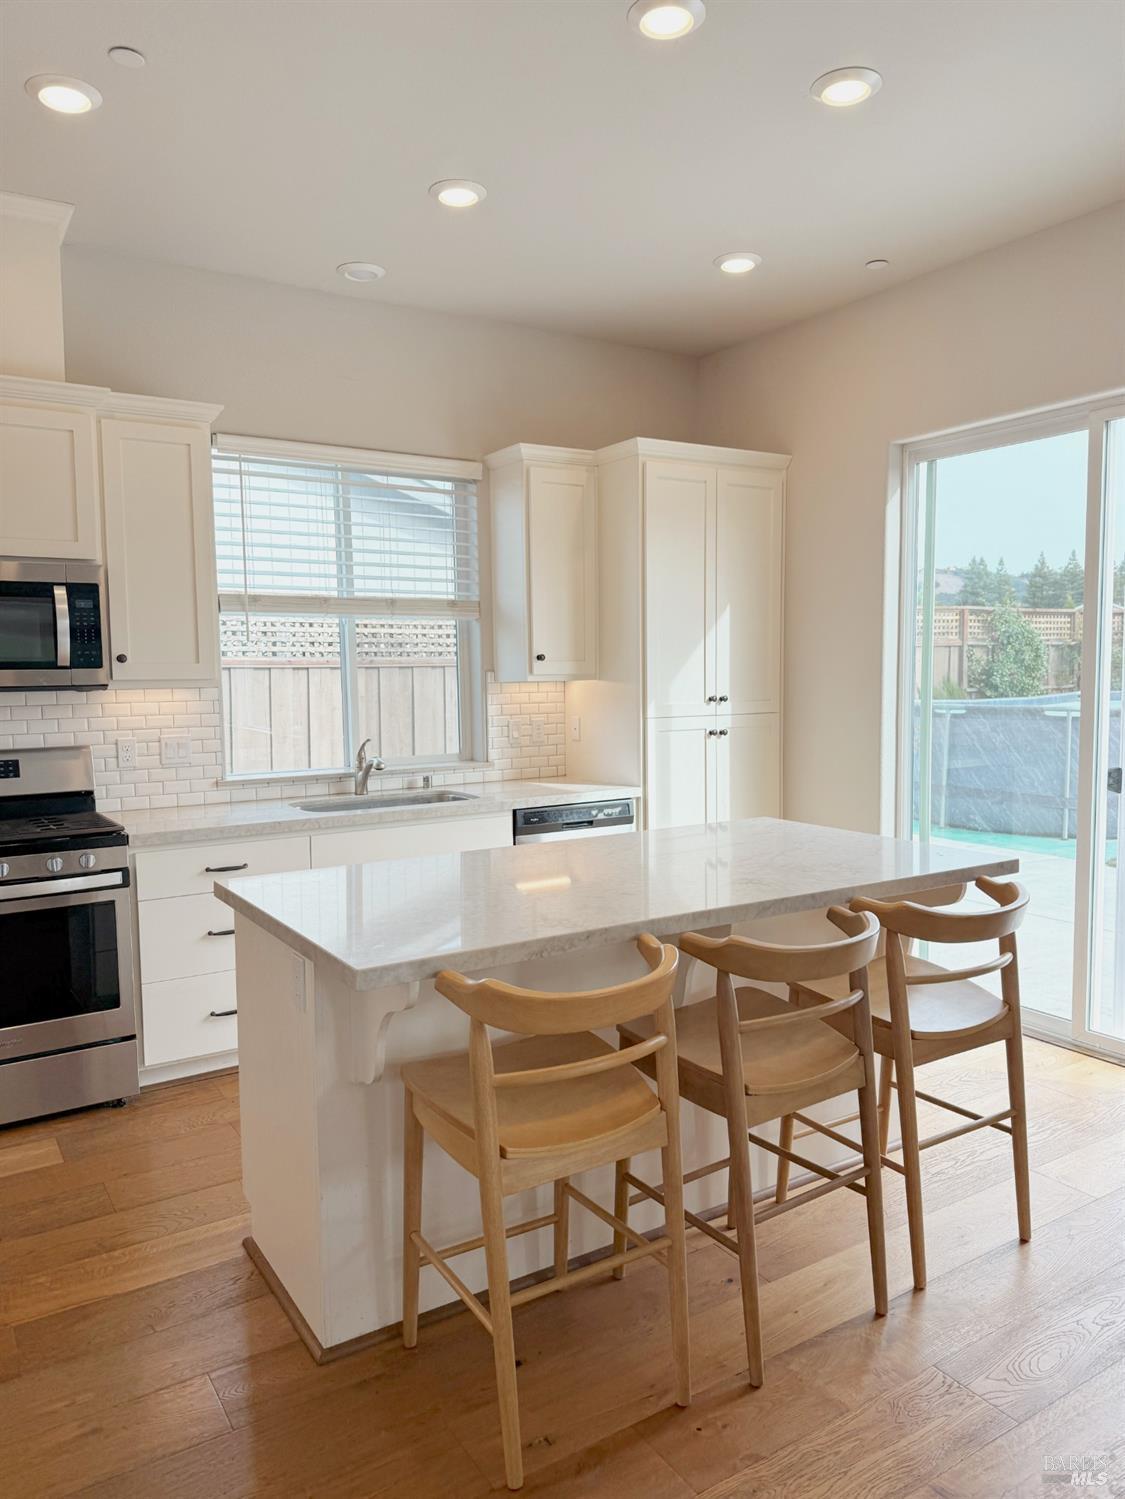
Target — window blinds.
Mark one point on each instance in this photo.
(348, 537)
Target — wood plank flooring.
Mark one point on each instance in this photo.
(142, 1355)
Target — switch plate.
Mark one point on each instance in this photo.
(538, 729)
(126, 754)
(515, 732)
(576, 729)
(175, 749)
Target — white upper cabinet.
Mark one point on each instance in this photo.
(749, 542)
(160, 559)
(713, 558)
(544, 564)
(48, 482)
(679, 549)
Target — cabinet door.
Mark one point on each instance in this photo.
(562, 576)
(48, 483)
(679, 544)
(410, 840)
(748, 563)
(681, 789)
(160, 560)
(748, 767)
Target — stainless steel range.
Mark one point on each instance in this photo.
(68, 1029)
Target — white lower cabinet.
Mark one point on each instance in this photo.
(184, 936)
(713, 769)
(189, 1017)
(405, 841)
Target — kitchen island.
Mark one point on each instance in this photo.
(335, 992)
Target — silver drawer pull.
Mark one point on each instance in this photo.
(222, 1014)
(226, 931)
(224, 868)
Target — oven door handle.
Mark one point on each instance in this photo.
(62, 625)
(44, 889)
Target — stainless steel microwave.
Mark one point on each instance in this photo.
(52, 625)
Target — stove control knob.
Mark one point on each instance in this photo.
(86, 861)
(54, 864)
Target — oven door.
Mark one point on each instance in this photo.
(67, 964)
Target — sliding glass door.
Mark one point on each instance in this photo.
(1011, 682)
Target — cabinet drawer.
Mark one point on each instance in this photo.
(194, 870)
(410, 840)
(179, 1022)
(178, 937)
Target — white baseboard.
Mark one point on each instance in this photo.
(197, 1067)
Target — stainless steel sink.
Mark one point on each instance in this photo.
(345, 802)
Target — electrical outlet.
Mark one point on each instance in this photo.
(538, 729)
(126, 754)
(175, 749)
(576, 729)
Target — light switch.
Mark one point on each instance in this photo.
(576, 729)
(175, 749)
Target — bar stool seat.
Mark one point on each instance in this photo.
(534, 1121)
(782, 1059)
(947, 1009)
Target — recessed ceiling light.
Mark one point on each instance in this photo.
(457, 192)
(361, 270)
(845, 86)
(67, 96)
(738, 262)
(876, 265)
(666, 20)
(126, 57)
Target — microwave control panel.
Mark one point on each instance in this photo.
(85, 625)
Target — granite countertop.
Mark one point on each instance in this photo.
(401, 920)
(183, 825)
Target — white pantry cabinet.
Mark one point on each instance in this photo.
(160, 551)
(544, 570)
(690, 620)
(48, 481)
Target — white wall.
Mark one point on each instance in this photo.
(1035, 322)
(315, 367)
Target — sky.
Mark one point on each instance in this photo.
(1014, 502)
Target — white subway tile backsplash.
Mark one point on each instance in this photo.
(31, 719)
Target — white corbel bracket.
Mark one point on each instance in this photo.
(369, 1016)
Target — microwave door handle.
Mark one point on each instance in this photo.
(62, 625)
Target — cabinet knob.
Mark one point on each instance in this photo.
(723, 698)
(723, 733)
(712, 733)
(540, 657)
(712, 699)
(122, 658)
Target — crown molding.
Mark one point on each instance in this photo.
(532, 452)
(51, 392)
(37, 210)
(691, 452)
(160, 408)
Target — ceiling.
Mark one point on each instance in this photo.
(277, 138)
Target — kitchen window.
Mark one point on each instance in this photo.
(349, 597)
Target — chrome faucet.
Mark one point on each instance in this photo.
(364, 767)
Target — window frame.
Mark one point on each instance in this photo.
(471, 675)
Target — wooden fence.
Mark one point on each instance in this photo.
(288, 714)
(962, 633)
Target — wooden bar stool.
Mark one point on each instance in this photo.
(792, 1058)
(922, 1012)
(536, 1111)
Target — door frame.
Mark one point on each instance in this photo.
(907, 459)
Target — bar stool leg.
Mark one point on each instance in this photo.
(886, 1074)
(562, 1227)
(872, 1159)
(912, 1164)
(785, 1142)
(1018, 1104)
(500, 1311)
(413, 1138)
(741, 1185)
(620, 1210)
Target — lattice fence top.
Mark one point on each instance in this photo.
(972, 624)
(267, 637)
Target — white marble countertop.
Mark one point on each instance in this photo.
(182, 825)
(401, 920)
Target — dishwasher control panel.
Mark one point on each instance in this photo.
(578, 820)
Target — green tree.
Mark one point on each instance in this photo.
(1119, 583)
(1042, 585)
(1017, 661)
(1002, 590)
(1072, 580)
(976, 585)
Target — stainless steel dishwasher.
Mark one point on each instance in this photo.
(581, 820)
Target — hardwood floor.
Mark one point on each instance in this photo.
(141, 1354)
